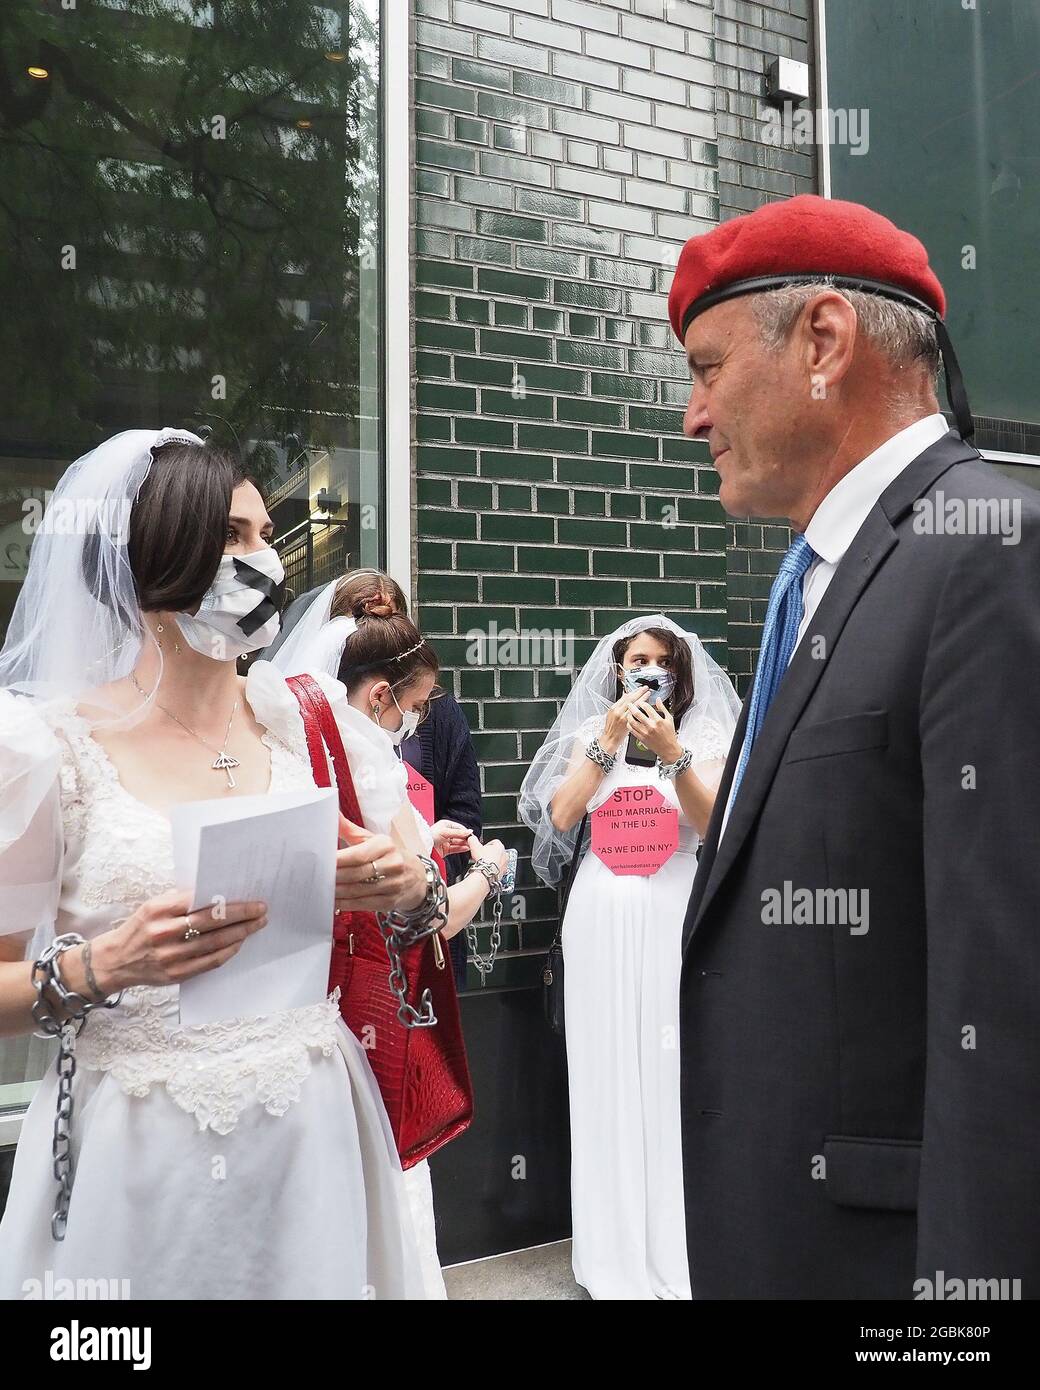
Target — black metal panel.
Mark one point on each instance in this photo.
(505, 1184)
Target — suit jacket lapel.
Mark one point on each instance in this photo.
(872, 542)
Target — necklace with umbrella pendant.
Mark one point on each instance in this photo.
(224, 760)
(224, 763)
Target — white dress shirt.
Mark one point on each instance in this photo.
(843, 511)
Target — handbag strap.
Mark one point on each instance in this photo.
(322, 733)
(570, 875)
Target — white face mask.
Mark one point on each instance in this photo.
(634, 678)
(409, 724)
(239, 611)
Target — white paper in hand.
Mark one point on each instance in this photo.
(279, 849)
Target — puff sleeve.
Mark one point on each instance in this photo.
(31, 836)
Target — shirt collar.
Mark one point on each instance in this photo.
(843, 511)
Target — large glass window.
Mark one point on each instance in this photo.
(951, 92)
(190, 232)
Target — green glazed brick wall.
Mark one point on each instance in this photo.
(564, 149)
(753, 172)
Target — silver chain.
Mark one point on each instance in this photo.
(224, 762)
(407, 1014)
(61, 1145)
(485, 964)
(599, 755)
(46, 974)
(402, 929)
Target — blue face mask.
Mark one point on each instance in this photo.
(662, 681)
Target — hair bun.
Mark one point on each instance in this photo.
(376, 607)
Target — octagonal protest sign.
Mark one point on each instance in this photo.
(635, 831)
(420, 793)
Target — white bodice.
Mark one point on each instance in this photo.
(118, 850)
(118, 853)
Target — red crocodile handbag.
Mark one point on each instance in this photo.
(422, 1073)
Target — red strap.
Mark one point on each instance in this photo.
(323, 733)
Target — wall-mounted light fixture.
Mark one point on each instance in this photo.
(786, 80)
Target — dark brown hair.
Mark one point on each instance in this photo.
(388, 648)
(179, 522)
(681, 697)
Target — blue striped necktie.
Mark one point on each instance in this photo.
(778, 638)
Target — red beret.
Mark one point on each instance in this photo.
(795, 238)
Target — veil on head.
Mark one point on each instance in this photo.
(315, 642)
(77, 623)
(593, 693)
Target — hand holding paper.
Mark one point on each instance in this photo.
(280, 848)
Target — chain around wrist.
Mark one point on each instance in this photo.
(670, 771)
(490, 872)
(599, 755)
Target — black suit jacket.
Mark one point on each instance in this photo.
(861, 1109)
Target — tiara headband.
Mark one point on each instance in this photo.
(402, 655)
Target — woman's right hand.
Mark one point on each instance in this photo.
(149, 947)
(494, 852)
(615, 729)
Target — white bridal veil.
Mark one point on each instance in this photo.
(75, 629)
(583, 713)
(315, 643)
(77, 623)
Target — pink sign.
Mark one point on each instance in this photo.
(635, 831)
(420, 793)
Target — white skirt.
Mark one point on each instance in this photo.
(622, 950)
(306, 1204)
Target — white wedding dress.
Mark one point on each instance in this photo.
(244, 1159)
(622, 950)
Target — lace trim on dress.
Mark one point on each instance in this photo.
(710, 744)
(214, 1071)
(127, 852)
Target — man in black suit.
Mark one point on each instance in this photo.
(860, 1029)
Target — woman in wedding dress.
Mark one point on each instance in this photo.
(386, 672)
(622, 939)
(244, 1159)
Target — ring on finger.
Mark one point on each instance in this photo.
(191, 933)
(375, 876)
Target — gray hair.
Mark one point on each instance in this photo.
(902, 334)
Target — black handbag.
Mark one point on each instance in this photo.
(552, 975)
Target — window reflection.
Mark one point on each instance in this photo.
(189, 211)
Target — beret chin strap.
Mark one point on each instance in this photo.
(955, 388)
